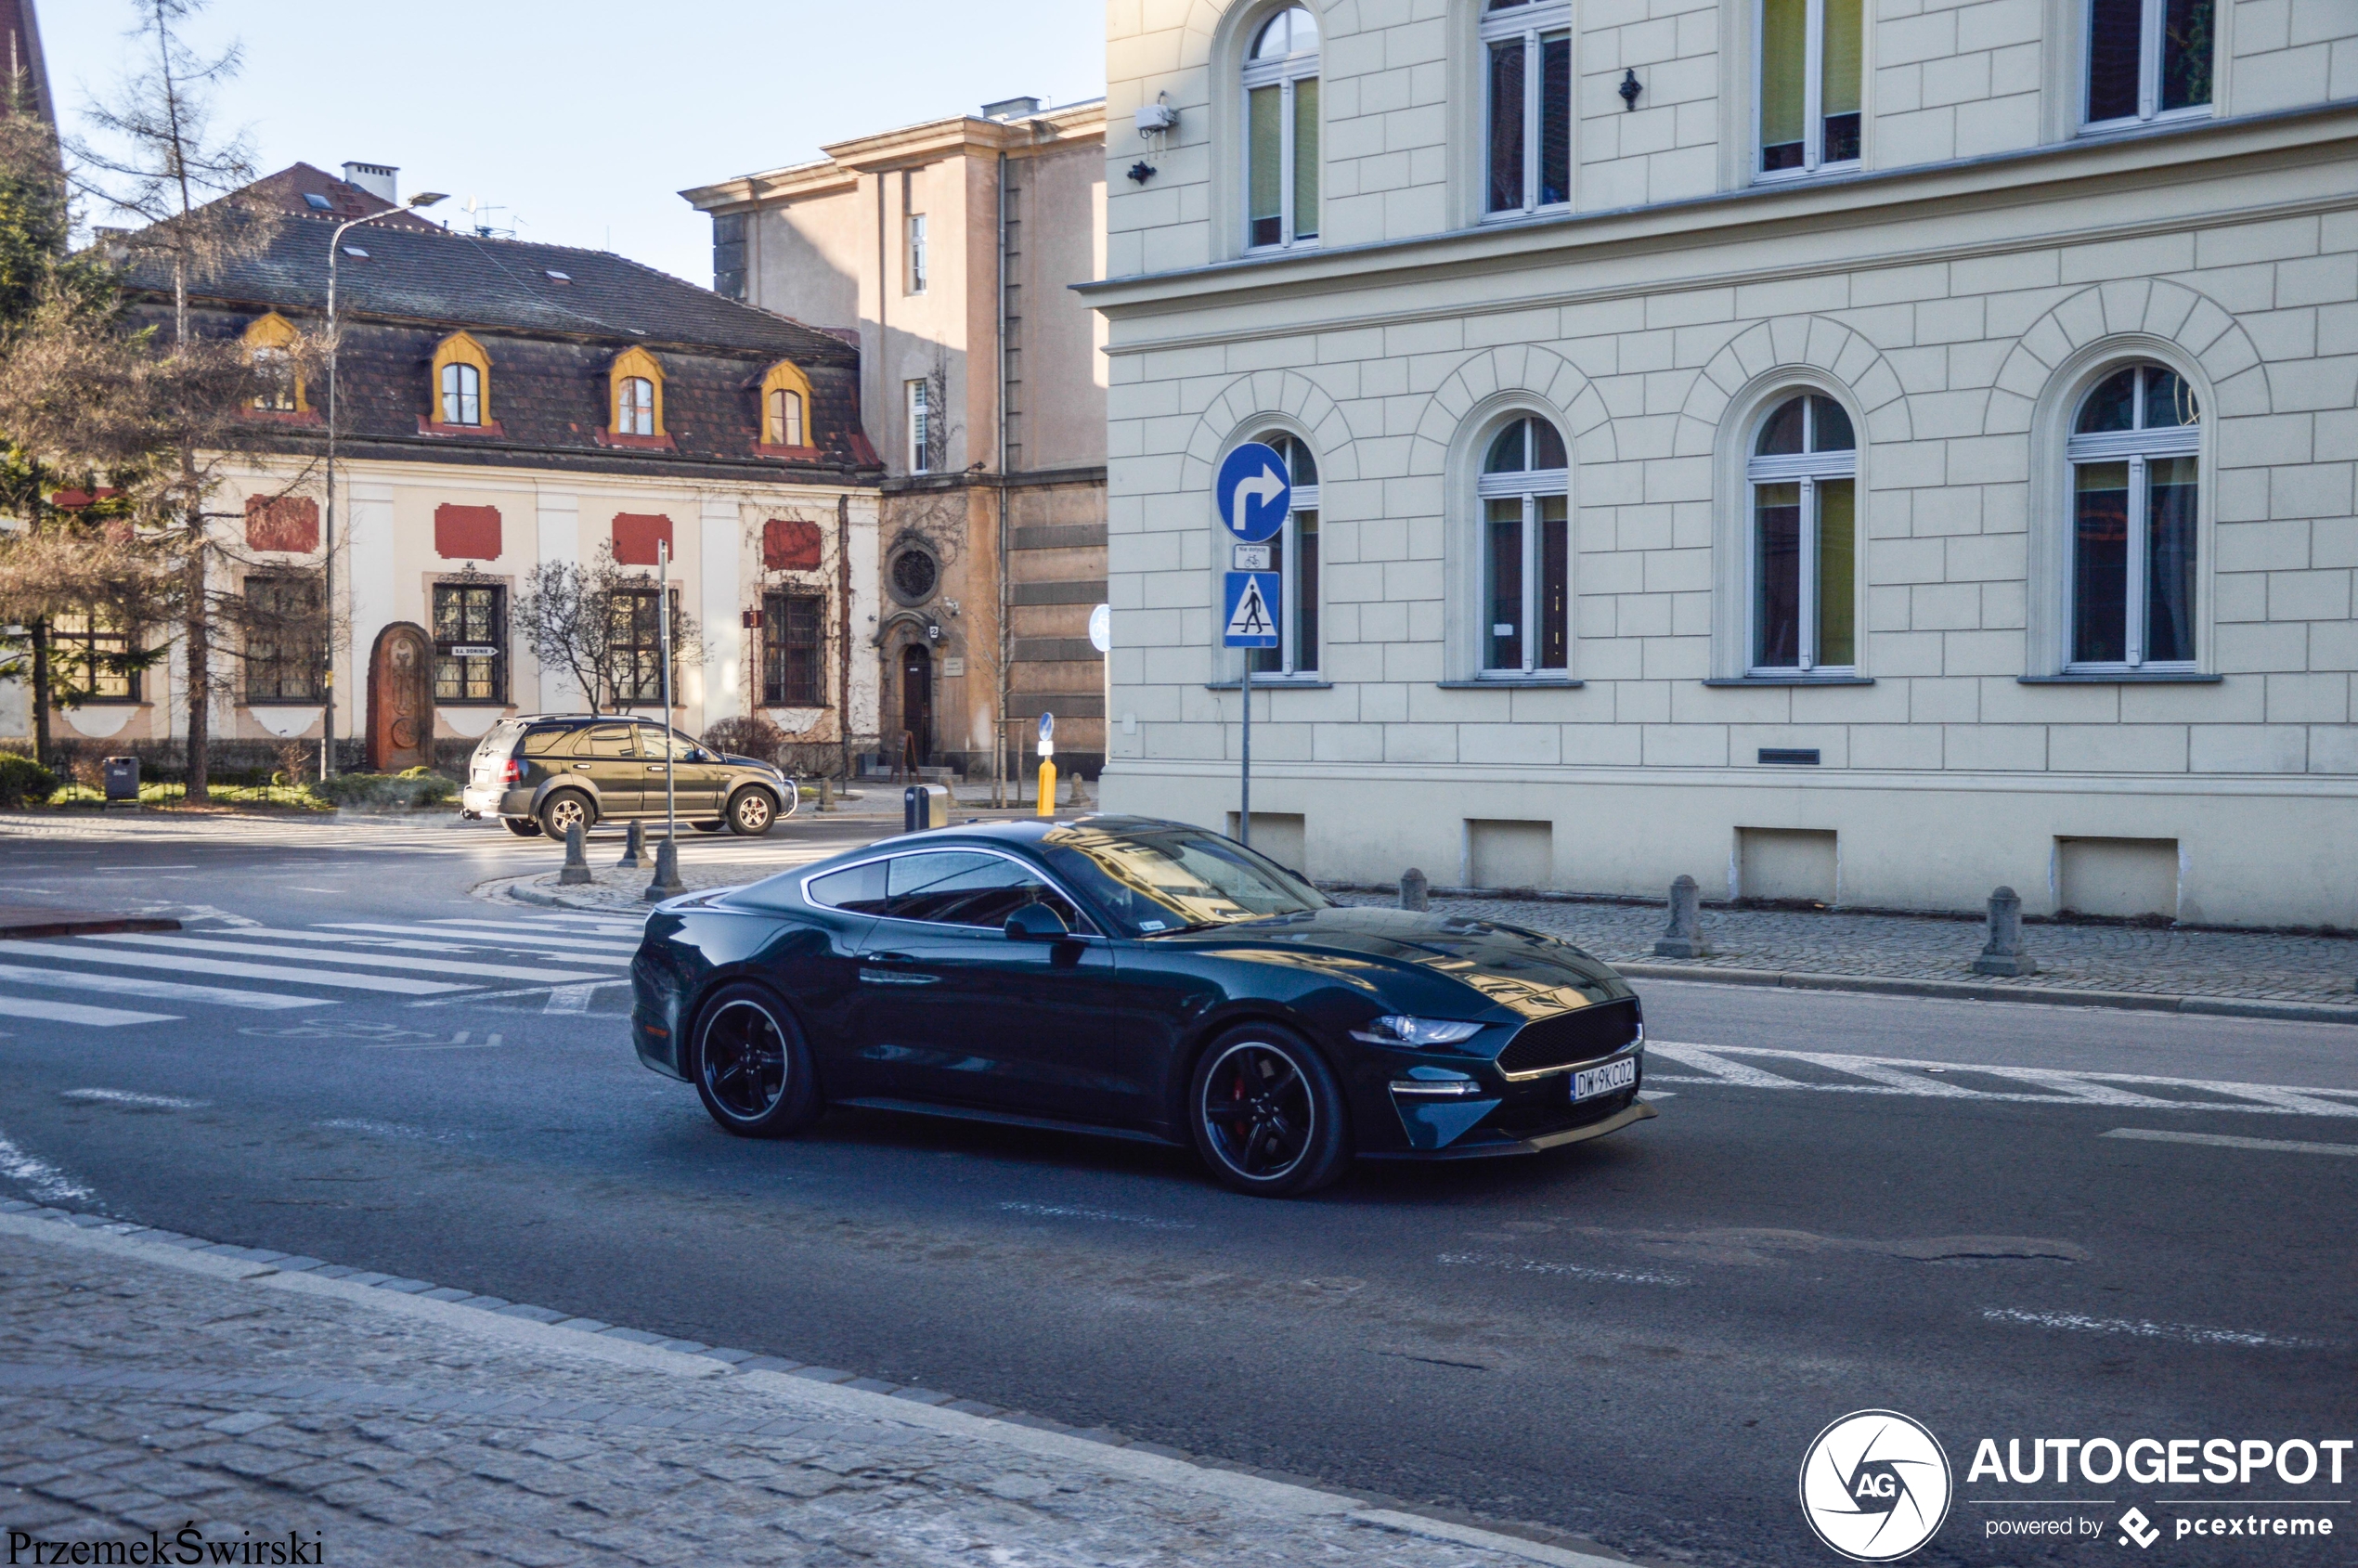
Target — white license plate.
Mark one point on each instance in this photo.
(1604, 1080)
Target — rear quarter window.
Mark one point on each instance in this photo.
(545, 743)
(858, 890)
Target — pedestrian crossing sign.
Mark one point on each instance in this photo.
(1249, 610)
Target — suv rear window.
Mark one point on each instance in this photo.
(500, 741)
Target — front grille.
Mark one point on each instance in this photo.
(1580, 1036)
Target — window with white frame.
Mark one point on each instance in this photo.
(461, 393)
(1525, 491)
(1804, 479)
(2134, 504)
(1527, 81)
(920, 396)
(1282, 132)
(2149, 60)
(1810, 76)
(1294, 557)
(634, 406)
(917, 253)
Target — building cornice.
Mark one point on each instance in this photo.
(2054, 176)
(431, 451)
(907, 147)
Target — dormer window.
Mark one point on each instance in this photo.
(271, 339)
(786, 409)
(461, 395)
(462, 383)
(635, 407)
(634, 401)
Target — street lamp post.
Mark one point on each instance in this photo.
(327, 533)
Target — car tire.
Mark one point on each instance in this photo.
(523, 827)
(565, 808)
(751, 811)
(1267, 1113)
(751, 1065)
(713, 826)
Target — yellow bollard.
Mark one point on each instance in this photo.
(1047, 788)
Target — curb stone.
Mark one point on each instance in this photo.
(865, 1396)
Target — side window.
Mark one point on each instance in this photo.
(610, 740)
(546, 743)
(958, 888)
(660, 746)
(860, 890)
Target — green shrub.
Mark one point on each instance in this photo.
(24, 781)
(418, 786)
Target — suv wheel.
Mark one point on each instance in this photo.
(751, 811)
(567, 808)
(523, 827)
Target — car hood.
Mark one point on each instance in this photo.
(1507, 966)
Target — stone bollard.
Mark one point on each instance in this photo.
(634, 845)
(666, 884)
(2003, 953)
(1415, 891)
(1683, 937)
(576, 869)
(826, 792)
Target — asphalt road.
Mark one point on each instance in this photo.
(1634, 1340)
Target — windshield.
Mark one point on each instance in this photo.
(1167, 879)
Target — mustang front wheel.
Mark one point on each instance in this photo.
(1268, 1115)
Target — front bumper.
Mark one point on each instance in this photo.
(1468, 1114)
(1476, 1146)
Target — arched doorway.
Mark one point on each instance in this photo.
(916, 701)
(401, 700)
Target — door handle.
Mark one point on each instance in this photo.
(654, 766)
(893, 976)
(582, 766)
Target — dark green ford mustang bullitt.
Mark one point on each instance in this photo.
(1142, 978)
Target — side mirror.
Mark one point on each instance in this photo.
(1037, 923)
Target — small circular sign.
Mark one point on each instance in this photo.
(1875, 1485)
(1101, 627)
(1253, 493)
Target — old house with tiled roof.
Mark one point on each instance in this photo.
(502, 405)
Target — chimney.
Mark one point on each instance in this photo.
(379, 180)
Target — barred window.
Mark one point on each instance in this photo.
(285, 641)
(635, 647)
(470, 642)
(90, 658)
(793, 649)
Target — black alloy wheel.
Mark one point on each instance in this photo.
(567, 808)
(523, 827)
(1268, 1114)
(751, 811)
(752, 1069)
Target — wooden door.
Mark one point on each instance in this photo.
(916, 701)
(401, 700)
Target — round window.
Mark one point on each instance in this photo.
(915, 577)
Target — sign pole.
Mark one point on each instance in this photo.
(1244, 817)
(1253, 496)
(670, 763)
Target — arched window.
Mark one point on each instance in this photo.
(1804, 525)
(271, 339)
(1293, 555)
(637, 395)
(1527, 80)
(461, 383)
(1810, 53)
(2132, 454)
(1526, 549)
(786, 404)
(1282, 132)
(461, 395)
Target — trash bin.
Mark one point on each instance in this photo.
(121, 777)
(922, 807)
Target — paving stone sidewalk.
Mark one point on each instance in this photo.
(138, 1395)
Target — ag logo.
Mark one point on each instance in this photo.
(1875, 1485)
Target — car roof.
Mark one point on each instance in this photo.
(1025, 833)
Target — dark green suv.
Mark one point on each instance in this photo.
(547, 773)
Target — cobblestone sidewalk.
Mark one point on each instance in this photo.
(149, 1387)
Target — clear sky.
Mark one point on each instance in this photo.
(582, 120)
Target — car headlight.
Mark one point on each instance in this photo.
(1396, 1029)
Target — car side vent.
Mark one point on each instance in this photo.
(1582, 1035)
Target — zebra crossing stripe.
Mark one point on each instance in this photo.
(565, 940)
(75, 1013)
(364, 960)
(160, 991)
(191, 965)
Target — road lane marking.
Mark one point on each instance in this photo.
(1893, 1075)
(366, 960)
(75, 1013)
(2185, 1333)
(125, 1097)
(2286, 1146)
(47, 1182)
(1575, 1271)
(156, 991)
(442, 940)
(182, 964)
(570, 998)
(1065, 1212)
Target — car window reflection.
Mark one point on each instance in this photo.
(1163, 881)
(952, 889)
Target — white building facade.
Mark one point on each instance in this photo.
(1859, 453)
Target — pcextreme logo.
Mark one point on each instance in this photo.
(1875, 1485)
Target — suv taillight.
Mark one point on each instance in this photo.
(512, 772)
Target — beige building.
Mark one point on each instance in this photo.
(1864, 453)
(947, 252)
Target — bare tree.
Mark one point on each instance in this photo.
(597, 623)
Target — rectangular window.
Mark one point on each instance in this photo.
(1810, 83)
(1305, 158)
(2149, 59)
(635, 648)
(920, 426)
(1805, 575)
(917, 253)
(793, 649)
(1281, 143)
(1264, 109)
(471, 642)
(285, 640)
(1530, 107)
(1527, 583)
(89, 660)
